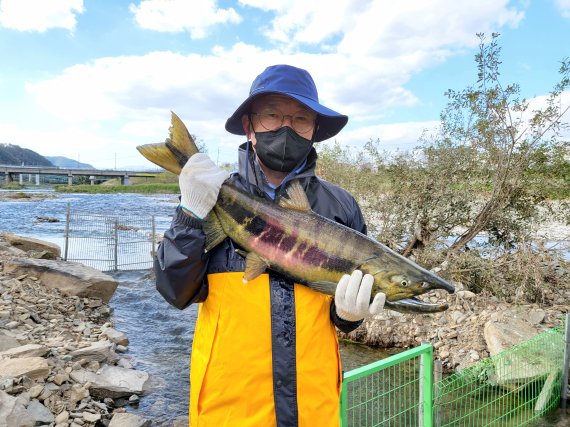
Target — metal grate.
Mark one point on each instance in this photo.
(110, 242)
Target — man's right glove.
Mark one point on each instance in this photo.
(200, 181)
(352, 297)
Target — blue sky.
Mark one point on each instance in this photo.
(92, 79)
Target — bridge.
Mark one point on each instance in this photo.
(10, 172)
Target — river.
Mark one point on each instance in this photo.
(160, 335)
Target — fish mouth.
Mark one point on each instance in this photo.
(430, 281)
(415, 306)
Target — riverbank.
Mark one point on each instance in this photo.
(61, 325)
(61, 361)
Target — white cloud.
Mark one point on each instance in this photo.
(196, 17)
(380, 27)
(40, 15)
(564, 7)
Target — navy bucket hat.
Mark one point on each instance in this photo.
(298, 84)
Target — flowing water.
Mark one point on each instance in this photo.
(160, 335)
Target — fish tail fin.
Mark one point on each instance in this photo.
(172, 154)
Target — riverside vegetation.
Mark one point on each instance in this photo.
(474, 201)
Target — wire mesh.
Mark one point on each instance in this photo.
(512, 388)
(110, 242)
(390, 392)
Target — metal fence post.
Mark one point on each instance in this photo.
(67, 218)
(153, 237)
(116, 252)
(437, 377)
(343, 404)
(426, 387)
(566, 366)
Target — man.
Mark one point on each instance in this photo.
(265, 352)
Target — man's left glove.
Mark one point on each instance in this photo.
(352, 297)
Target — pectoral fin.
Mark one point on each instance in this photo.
(324, 287)
(254, 266)
(213, 230)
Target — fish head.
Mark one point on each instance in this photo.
(404, 280)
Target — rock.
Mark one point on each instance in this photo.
(91, 418)
(98, 351)
(536, 316)
(40, 413)
(70, 278)
(12, 413)
(62, 417)
(116, 336)
(32, 367)
(501, 335)
(515, 368)
(7, 342)
(78, 392)
(30, 244)
(28, 350)
(126, 419)
(113, 382)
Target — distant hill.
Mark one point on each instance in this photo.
(64, 162)
(14, 155)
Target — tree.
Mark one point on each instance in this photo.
(506, 135)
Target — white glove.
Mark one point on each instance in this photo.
(352, 297)
(200, 181)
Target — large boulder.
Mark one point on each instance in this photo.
(520, 367)
(71, 278)
(50, 250)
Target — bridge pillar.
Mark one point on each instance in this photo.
(92, 179)
(69, 178)
(37, 178)
(125, 180)
(21, 179)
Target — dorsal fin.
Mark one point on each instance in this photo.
(296, 198)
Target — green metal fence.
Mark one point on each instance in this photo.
(512, 388)
(396, 391)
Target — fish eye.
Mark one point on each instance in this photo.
(404, 283)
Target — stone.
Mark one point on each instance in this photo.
(13, 413)
(30, 244)
(39, 412)
(71, 278)
(517, 368)
(113, 381)
(98, 352)
(62, 417)
(28, 350)
(7, 342)
(116, 337)
(126, 419)
(32, 367)
(91, 418)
